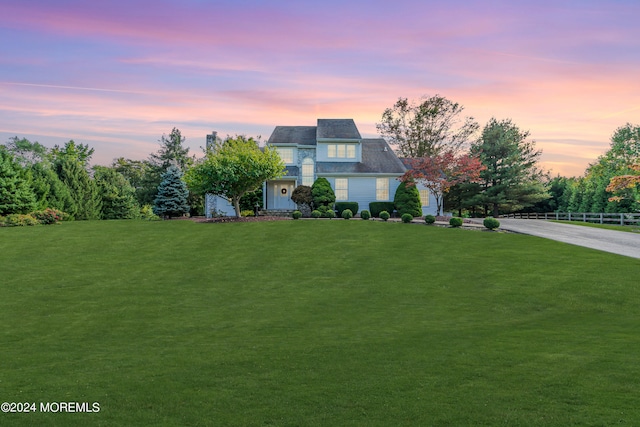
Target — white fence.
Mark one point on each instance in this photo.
(600, 218)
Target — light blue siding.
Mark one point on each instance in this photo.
(217, 205)
(363, 189)
(431, 208)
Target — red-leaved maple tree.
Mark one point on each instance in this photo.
(623, 182)
(441, 172)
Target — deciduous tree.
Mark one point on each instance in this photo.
(439, 173)
(234, 168)
(428, 128)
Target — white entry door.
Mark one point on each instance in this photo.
(282, 195)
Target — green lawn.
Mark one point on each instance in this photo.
(315, 323)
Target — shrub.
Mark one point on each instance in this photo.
(146, 212)
(407, 218)
(329, 214)
(491, 223)
(407, 199)
(302, 196)
(247, 212)
(48, 216)
(429, 219)
(296, 214)
(377, 207)
(384, 215)
(347, 214)
(322, 193)
(455, 222)
(365, 215)
(352, 206)
(316, 213)
(19, 220)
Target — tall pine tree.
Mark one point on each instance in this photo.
(511, 180)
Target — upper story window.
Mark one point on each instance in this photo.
(286, 154)
(307, 171)
(341, 151)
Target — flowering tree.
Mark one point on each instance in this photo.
(441, 172)
(623, 182)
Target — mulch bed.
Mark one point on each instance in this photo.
(242, 219)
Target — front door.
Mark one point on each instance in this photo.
(282, 195)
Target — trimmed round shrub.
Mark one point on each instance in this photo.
(376, 207)
(296, 214)
(455, 222)
(316, 213)
(406, 218)
(384, 215)
(491, 223)
(429, 219)
(341, 206)
(347, 214)
(247, 212)
(19, 220)
(329, 214)
(365, 215)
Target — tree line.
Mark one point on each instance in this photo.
(34, 177)
(472, 170)
(495, 169)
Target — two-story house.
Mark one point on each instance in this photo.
(359, 169)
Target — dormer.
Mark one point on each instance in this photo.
(338, 140)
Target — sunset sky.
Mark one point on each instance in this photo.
(117, 75)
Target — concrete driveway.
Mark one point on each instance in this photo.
(617, 242)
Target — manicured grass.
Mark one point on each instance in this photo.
(628, 228)
(315, 323)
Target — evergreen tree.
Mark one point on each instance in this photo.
(511, 180)
(70, 164)
(172, 153)
(117, 194)
(172, 194)
(322, 193)
(16, 194)
(407, 200)
(49, 190)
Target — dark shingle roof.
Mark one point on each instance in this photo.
(375, 159)
(337, 129)
(305, 135)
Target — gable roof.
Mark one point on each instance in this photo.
(337, 129)
(377, 157)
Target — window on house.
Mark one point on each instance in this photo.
(286, 154)
(307, 171)
(424, 197)
(351, 151)
(341, 151)
(342, 189)
(382, 188)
